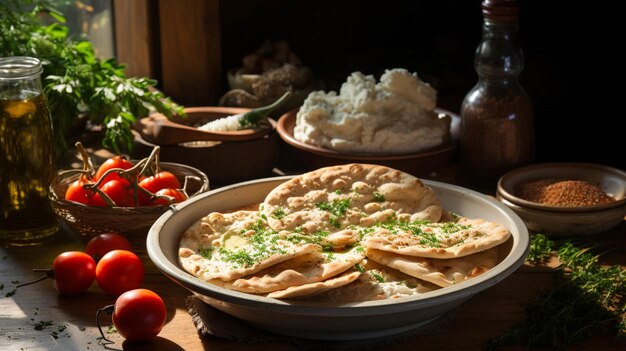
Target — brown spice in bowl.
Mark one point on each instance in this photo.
(563, 193)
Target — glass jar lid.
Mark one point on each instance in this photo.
(19, 67)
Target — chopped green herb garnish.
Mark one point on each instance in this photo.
(10, 293)
(378, 277)
(205, 252)
(338, 191)
(359, 249)
(41, 325)
(279, 213)
(359, 268)
(337, 209)
(378, 197)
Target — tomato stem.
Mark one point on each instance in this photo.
(87, 164)
(49, 274)
(109, 309)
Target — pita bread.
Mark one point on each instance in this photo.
(437, 240)
(233, 245)
(377, 282)
(334, 199)
(301, 270)
(441, 272)
(315, 288)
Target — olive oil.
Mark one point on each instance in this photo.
(26, 168)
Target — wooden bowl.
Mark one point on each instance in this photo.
(131, 222)
(420, 163)
(224, 162)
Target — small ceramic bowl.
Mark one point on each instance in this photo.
(420, 163)
(567, 221)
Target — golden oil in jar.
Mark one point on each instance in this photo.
(26, 155)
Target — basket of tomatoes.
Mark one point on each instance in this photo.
(122, 195)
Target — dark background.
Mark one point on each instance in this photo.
(575, 57)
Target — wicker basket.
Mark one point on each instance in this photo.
(132, 222)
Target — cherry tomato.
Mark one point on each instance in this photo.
(113, 162)
(119, 271)
(161, 180)
(178, 196)
(101, 244)
(73, 272)
(119, 190)
(139, 315)
(77, 193)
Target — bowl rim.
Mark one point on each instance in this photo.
(514, 259)
(286, 134)
(506, 184)
(60, 176)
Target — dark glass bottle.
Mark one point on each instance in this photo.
(497, 118)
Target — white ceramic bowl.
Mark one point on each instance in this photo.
(318, 321)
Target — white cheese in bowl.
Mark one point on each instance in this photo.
(393, 116)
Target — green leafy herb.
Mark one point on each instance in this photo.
(338, 191)
(589, 298)
(540, 249)
(337, 209)
(279, 213)
(378, 277)
(378, 197)
(359, 268)
(205, 252)
(75, 81)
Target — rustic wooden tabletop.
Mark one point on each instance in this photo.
(37, 318)
(71, 323)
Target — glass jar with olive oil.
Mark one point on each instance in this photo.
(26, 154)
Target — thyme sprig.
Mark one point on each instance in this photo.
(589, 297)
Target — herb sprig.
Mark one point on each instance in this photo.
(590, 296)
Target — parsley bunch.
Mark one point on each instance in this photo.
(75, 81)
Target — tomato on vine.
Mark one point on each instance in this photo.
(76, 192)
(138, 315)
(119, 271)
(102, 244)
(119, 190)
(113, 162)
(161, 180)
(177, 196)
(72, 273)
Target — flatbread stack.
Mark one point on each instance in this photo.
(342, 234)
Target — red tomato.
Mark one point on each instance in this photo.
(113, 162)
(119, 190)
(119, 271)
(101, 244)
(161, 180)
(139, 315)
(73, 272)
(76, 192)
(178, 196)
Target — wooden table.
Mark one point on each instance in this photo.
(73, 318)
